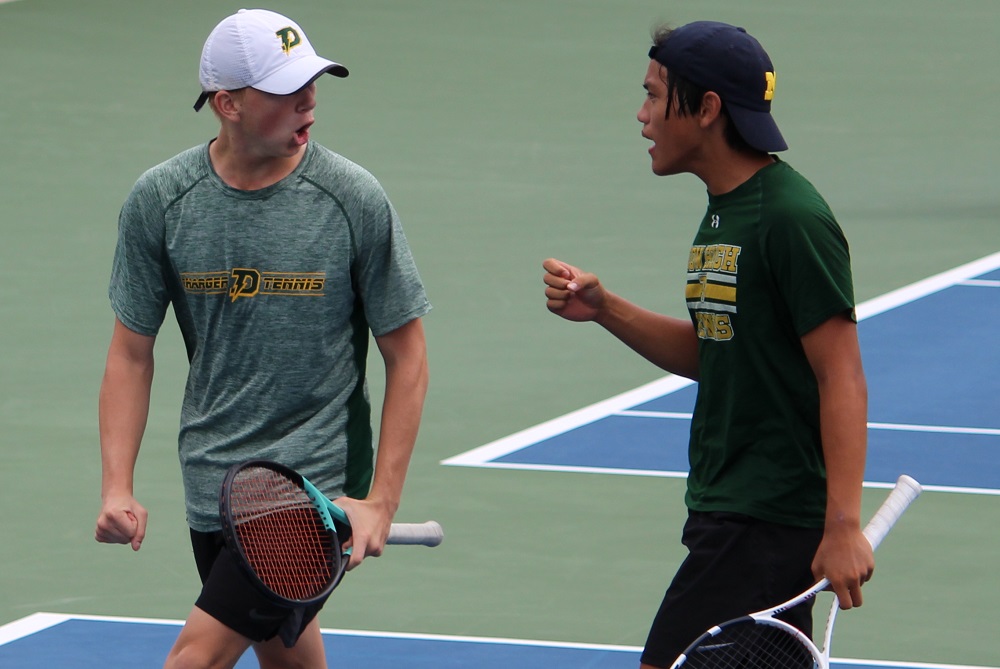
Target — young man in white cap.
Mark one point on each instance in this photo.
(279, 257)
(778, 436)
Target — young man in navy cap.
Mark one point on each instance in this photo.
(778, 436)
(279, 257)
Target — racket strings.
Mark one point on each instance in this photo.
(281, 535)
(750, 645)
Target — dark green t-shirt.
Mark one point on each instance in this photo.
(768, 264)
(275, 292)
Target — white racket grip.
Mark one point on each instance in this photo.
(416, 534)
(906, 490)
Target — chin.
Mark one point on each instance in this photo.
(666, 168)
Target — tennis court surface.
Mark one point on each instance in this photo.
(506, 133)
(644, 432)
(932, 400)
(57, 641)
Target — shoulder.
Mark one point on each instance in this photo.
(790, 204)
(340, 176)
(784, 190)
(170, 179)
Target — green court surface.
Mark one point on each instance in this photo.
(504, 133)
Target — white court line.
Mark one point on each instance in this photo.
(672, 415)
(906, 665)
(913, 292)
(34, 623)
(899, 427)
(944, 429)
(669, 474)
(619, 404)
(38, 622)
(479, 457)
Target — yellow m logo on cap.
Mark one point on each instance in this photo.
(769, 91)
(289, 39)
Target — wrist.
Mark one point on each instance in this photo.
(606, 312)
(385, 505)
(839, 521)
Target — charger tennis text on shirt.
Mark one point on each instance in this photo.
(246, 282)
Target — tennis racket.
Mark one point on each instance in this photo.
(287, 536)
(760, 641)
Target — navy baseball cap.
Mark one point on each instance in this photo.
(727, 60)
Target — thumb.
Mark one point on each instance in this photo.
(138, 529)
(583, 282)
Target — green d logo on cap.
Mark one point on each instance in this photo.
(289, 39)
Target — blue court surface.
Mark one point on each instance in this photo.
(56, 641)
(928, 349)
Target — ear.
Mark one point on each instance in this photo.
(226, 105)
(711, 109)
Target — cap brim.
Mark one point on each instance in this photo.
(298, 74)
(757, 128)
(291, 78)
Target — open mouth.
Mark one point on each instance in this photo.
(302, 134)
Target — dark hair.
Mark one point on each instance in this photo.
(689, 97)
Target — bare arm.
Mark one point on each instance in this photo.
(844, 555)
(669, 343)
(123, 409)
(405, 354)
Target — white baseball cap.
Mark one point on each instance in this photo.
(261, 49)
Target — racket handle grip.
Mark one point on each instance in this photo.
(906, 490)
(416, 534)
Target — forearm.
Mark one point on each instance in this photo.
(407, 379)
(669, 343)
(843, 420)
(835, 357)
(123, 411)
(844, 555)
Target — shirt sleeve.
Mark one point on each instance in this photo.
(384, 270)
(138, 289)
(809, 260)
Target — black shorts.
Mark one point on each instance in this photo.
(736, 565)
(228, 595)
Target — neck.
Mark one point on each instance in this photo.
(243, 168)
(730, 169)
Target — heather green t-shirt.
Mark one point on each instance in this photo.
(275, 292)
(769, 263)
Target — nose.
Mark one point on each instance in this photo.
(306, 98)
(643, 115)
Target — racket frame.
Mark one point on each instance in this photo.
(334, 520)
(762, 618)
(903, 493)
(329, 517)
